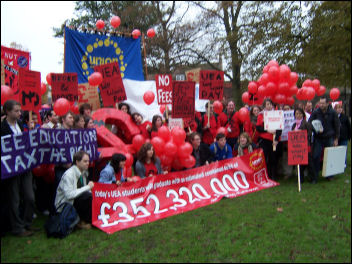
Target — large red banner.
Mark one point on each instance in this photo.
(29, 86)
(183, 99)
(211, 84)
(133, 204)
(14, 60)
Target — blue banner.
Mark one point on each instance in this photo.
(83, 51)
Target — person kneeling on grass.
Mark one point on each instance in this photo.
(220, 148)
(113, 171)
(73, 188)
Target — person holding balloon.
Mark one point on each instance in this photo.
(148, 164)
(268, 140)
(328, 136)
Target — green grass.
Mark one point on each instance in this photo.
(313, 226)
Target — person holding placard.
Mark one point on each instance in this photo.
(19, 185)
(210, 125)
(148, 164)
(268, 140)
(302, 124)
(328, 136)
(229, 120)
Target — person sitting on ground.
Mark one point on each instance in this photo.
(114, 170)
(244, 145)
(148, 164)
(220, 148)
(201, 151)
(74, 189)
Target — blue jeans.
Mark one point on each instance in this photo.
(318, 148)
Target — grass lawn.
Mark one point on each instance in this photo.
(274, 225)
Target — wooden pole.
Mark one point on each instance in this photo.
(274, 147)
(30, 120)
(64, 47)
(209, 113)
(299, 178)
(145, 57)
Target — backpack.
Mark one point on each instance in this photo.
(61, 224)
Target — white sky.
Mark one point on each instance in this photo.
(30, 24)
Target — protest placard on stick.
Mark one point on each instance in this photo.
(30, 91)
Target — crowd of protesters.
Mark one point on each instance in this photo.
(24, 195)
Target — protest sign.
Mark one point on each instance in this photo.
(289, 120)
(183, 98)
(132, 204)
(20, 153)
(297, 147)
(111, 89)
(14, 60)
(164, 88)
(175, 122)
(88, 94)
(64, 85)
(30, 91)
(211, 85)
(334, 161)
(193, 75)
(273, 120)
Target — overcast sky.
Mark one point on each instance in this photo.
(30, 24)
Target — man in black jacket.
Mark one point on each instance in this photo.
(201, 151)
(13, 187)
(326, 138)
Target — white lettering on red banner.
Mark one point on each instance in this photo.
(132, 204)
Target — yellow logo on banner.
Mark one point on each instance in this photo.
(89, 60)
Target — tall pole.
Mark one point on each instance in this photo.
(145, 57)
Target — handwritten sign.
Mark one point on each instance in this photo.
(289, 120)
(297, 147)
(193, 75)
(14, 60)
(88, 94)
(111, 89)
(183, 99)
(175, 122)
(211, 85)
(30, 91)
(164, 88)
(64, 85)
(273, 120)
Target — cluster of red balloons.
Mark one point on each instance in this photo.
(170, 147)
(45, 171)
(277, 82)
(310, 89)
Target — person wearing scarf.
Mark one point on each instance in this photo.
(244, 145)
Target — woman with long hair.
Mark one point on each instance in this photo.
(148, 164)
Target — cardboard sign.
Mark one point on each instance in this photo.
(211, 85)
(183, 99)
(111, 89)
(175, 122)
(334, 161)
(297, 147)
(30, 91)
(193, 75)
(164, 88)
(88, 94)
(64, 85)
(132, 204)
(289, 120)
(273, 120)
(13, 61)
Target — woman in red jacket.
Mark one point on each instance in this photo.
(157, 122)
(209, 128)
(144, 127)
(268, 140)
(250, 125)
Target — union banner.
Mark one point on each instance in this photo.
(84, 51)
(153, 198)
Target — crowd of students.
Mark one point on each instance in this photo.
(73, 181)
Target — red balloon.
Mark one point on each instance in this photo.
(283, 88)
(115, 21)
(170, 149)
(188, 161)
(95, 78)
(243, 114)
(151, 33)
(42, 88)
(334, 94)
(280, 98)
(148, 97)
(293, 90)
(271, 88)
(307, 83)
(74, 109)
(221, 130)
(264, 79)
(48, 78)
(184, 150)
(245, 97)
(164, 133)
(273, 63)
(163, 108)
(284, 73)
(266, 68)
(252, 87)
(100, 24)
(178, 135)
(136, 33)
(176, 164)
(158, 144)
(49, 176)
(274, 72)
(290, 100)
(61, 106)
(300, 95)
(321, 91)
(137, 142)
(261, 91)
(293, 78)
(129, 160)
(308, 93)
(40, 170)
(218, 107)
(6, 93)
(166, 160)
(316, 85)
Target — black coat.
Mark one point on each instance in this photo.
(5, 128)
(330, 122)
(345, 128)
(204, 154)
